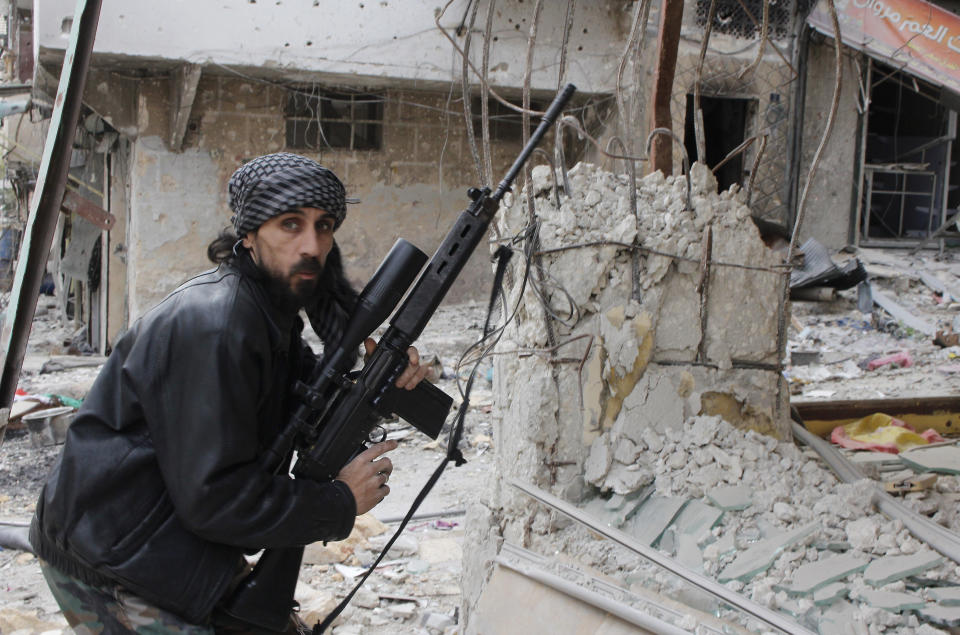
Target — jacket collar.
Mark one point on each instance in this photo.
(281, 320)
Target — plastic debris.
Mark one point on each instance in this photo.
(900, 360)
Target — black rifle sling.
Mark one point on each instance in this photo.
(453, 454)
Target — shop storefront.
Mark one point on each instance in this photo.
(907, 182)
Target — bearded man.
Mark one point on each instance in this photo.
(163, 484)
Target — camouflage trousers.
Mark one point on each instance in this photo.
(94, 610)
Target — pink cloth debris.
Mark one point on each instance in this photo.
(840, 436)
(901, 359)
(444, 525)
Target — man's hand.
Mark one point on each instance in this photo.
(367, 476)
(412, 375)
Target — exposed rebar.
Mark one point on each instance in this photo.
(686, 159)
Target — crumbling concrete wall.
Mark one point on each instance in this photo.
(831, 202)
(728, 72)
(662, 315)
(378, 41)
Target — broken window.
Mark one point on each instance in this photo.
(909, 185)
(743, 18)
(725, 121)
(506, 124)
(321, 119)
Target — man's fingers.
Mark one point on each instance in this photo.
(414, 356)
(383, 466)
(414, 373)
(369, 346)
(377, 449)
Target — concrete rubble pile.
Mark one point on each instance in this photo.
(686, 345)
(767, 519)
(652, 399)
(639, 346)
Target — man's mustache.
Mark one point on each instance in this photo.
(307, 265)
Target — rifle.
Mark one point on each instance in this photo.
(340, 410)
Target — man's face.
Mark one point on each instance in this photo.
(292, 248)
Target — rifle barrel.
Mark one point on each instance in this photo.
(548, 120)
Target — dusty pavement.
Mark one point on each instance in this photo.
(420, 582)
(419, 589)
(845, 339)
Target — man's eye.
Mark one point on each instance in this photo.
(291, 223)
(325, 226)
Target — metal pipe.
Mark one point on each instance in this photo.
(940, 538)
(762, 613)
(45, 208)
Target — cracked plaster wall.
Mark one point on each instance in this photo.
(377, 41)
(629, 359)
(414, 187)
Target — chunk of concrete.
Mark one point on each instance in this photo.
(704, 430)
(436, 622)
(403, 610)
(862, 533)
(628, 479)
(815, 575)
(598, 461)
(731, 498)
(615, 511)
(891, 568)
(892, 601)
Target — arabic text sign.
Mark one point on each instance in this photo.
(913, 32)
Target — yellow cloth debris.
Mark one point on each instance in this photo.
(881, 432)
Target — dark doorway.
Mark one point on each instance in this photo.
(724, 128)
(908, 157)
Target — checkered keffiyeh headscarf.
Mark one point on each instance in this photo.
(276, 183)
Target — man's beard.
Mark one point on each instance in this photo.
(290, 292)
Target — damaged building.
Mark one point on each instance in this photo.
(639, 369)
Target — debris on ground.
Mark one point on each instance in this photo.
(766, 517)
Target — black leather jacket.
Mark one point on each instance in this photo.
(161, 486)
